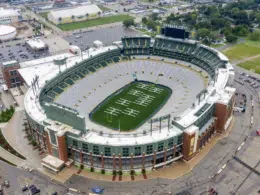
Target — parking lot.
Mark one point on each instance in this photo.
(105, 35)
(19, 52)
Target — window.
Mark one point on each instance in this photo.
(179, 140)
(96, 150)
(75, 143)
(13, 72)
(170, 143)
(53, 137)
(85, 147)
(107, 151)
(160, 146)
(149, 149)
(137, 151)
(125, 151)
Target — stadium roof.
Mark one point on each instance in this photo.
(76, 11)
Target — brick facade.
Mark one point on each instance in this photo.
(12, 80)
(63, 154)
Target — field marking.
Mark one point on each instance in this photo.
(113, 111)
(131, 112)
(123, 102)
(155, 90)
(135, 92)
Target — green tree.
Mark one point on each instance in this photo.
(128, 23)
(255, 36)
(72, 17)
(203, 33)
(86, 15)
(144, 20)
(151, 25)
(231, 38)
(240, 30)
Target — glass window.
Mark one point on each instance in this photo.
(75, 143)
(179, 140)
(96, 150)
(107, 151)
(13, 72)
(160, 146)
(149, 149)
(138, 151)
(53, 138)
(125, 151)
(170, 143)
(85, 147)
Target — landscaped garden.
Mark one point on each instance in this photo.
(4, 144)
(6, 115)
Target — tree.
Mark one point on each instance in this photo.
(99, 13)
(255, 36)
(154, 16)
(151, 25)
(240, 30)
(170, 18)
(128, 23)
(231, 38)
(60, 19)
(86, 15)
(144, 20)
(72, 17)
(203, 33)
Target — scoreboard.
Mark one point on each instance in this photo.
(173, 32)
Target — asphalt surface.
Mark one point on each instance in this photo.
(105, 35)
(15, 52)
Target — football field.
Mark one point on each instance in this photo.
(131, 106)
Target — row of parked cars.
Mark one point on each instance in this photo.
(253, 81)
(34, 190)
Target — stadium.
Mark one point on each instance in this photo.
(139, 104)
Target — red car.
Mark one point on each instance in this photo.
(258, 132)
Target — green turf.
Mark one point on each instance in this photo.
(128, 123)
(44, 14)
(94, 22)
(103, 8)
(243, 50)
(253, 64)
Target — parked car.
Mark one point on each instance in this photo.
(6, 182)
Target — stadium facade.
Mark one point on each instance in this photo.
(68, 134)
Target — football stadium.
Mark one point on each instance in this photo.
(139, 104)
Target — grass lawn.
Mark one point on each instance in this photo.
(44, 14)
(132, 105)
(243, 50)
(216, 45)
(103, 8)
(94, 22)
(253, 64)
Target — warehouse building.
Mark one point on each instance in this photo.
(74, 14)
(8, 16)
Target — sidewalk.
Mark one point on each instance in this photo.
(16, 138)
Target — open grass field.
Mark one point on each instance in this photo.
(253, 64)
(103, 8)
(44, 14)
(131, 106)
(94, 22)
(243, 50)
